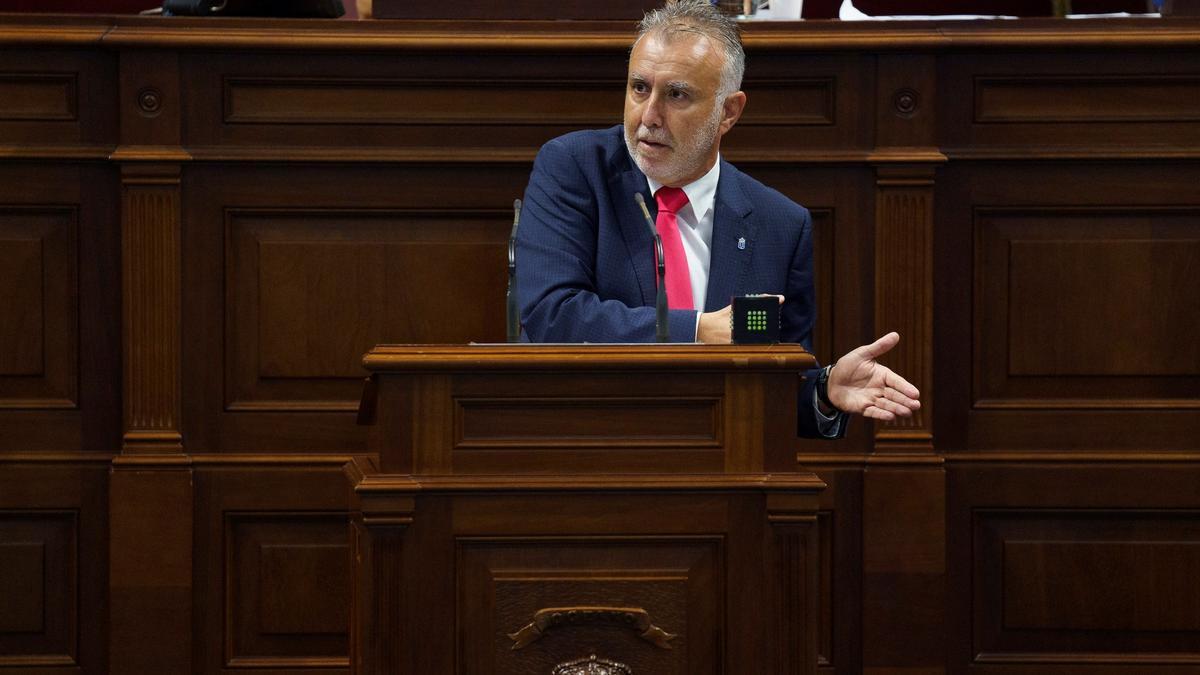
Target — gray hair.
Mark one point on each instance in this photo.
(701, 17)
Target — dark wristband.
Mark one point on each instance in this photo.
(823, 387)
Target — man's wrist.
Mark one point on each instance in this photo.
(823, 389)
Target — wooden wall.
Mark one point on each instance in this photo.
(203, 225)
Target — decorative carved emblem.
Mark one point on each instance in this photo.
(633, 618)
(591, 666)
(150, 100)
(906, 102)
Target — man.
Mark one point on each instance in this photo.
(587, 261)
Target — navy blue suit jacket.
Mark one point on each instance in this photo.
(585, 255)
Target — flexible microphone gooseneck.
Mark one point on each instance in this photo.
(513, 314)
(661, 330)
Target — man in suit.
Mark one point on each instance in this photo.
(586, 255)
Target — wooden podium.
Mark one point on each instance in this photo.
(572, 509)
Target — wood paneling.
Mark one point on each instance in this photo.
(1001, 100)
(799, 102)
(272, 564)
(309, 293)
(277, 616)
(53, 553)
(1037, 573)
(39, 340)
(59, 322)
(40, 621)
(38, 96)
(696, 560)
(150, 573)
(720, 425)
(503, 582)
(57, 98)
(1085, 100)
(151, 261)
(1073, 568)
(1048, 281)
(903, 302)
(435, 101)
(412, 102)
(1075, 308)
(297, 272)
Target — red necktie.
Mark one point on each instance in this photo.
(679, 280)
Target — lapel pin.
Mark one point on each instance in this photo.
(741, 243)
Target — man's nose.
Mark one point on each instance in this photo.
(652, 114)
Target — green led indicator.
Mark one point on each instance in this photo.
(756, 320)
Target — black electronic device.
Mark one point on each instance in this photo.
(755, 319)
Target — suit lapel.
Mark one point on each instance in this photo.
(733, 226)
(623, 184)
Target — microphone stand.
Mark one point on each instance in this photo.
(513, 311)
(661, 329)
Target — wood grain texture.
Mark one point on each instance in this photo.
(273, 564)
(151, 304)
(38, 96)
(40, 622)
(275, 616)
(40, 338)
(574, 409)
(903, 282)
(1033, 538)
(60, 322)
(150, 568)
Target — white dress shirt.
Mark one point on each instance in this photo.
(695, 229)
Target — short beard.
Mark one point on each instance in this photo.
(688, 153)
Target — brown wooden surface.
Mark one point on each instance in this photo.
(1022, 191)
(582, 409)
(726, 562)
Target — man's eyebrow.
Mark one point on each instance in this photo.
(680, 85)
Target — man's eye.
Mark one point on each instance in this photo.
(639, 87)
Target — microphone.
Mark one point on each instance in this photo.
(661, 330)
(513, 314)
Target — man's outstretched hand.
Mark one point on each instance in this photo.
(860, 384)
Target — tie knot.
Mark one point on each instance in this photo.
(670, 199)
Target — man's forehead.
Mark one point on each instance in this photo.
(689, 51)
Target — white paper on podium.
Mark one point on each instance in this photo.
(848, 12)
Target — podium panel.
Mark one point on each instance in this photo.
(664, 575)
(563, 510)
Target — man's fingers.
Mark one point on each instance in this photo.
(878, 414)
(902, 400)
(879, 347)
(891, 379)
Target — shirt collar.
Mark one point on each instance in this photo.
(700, 193)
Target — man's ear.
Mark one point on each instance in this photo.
(731, 110)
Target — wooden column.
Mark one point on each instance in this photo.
(904, 483)
(151, 485)
(904, 486)
(150, 156)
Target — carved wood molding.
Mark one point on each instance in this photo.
(591, 666)
(150, 247)
(549, 618)
(904, 292)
